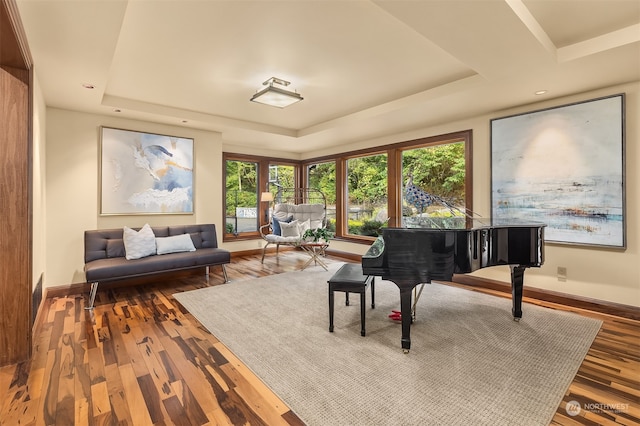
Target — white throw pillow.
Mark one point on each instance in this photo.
(290, 229)
(174, 244)
(303, 226)
(139, 244)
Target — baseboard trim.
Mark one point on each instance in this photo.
(38, 320)
(252, 252)
(36, 299)
(65, 290)
(344, 255)
(272, 250)
(601, 306)
(80, 288)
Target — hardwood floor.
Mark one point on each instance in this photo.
(141, 359)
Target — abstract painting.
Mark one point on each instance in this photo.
(145, 173)
(563, 166)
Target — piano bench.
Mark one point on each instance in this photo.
(350, 279)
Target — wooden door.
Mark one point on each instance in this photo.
(15, 191)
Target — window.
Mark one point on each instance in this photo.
(367, 191)
(246, 177)
(281, 176)
(434, 182)
(241, 196)
(323, 177)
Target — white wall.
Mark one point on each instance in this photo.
(73, 141)
(72, 198)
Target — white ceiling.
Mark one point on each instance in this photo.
(365, 68)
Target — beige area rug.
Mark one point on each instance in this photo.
(469, 364)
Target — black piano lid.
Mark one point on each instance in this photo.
(460, 223)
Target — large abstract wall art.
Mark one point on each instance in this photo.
(145, 173)
(563, 166)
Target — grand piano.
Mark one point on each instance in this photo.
(437, 248)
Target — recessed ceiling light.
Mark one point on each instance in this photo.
(540, 92)
(117, 110)
(88, 86)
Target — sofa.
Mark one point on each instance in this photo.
(122, 253)
(289, 222)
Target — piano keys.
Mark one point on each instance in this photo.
(441, 247)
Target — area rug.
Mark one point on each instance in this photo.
(469, 363)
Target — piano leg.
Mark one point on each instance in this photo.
(405, 309)
(517, 281)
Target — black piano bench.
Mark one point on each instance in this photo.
(350, 279)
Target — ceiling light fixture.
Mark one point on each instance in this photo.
(275, 94)
(540, 92)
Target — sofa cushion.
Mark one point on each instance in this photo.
(106, 243)
(197, 240)
(275, 225)
(280, 213)
(116, 268)
(301, 212)
(139, 244)
(115, 248)
(174, 244)
(279, 239)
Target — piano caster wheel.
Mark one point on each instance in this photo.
(405, 351)
(516, 319)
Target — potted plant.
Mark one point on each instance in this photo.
(317, 235)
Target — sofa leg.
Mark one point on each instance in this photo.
(206, 273)
(224, 272)
(92, 295)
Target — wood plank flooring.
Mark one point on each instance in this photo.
(139, 359)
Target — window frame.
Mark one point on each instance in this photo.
(344, 224)
(394, 179)
(262, 185)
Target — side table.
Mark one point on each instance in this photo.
(315, 250)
